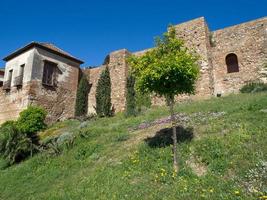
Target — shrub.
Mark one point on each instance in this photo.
(103, 95)
(82, 97)
(18, 139)
(130, 97)
(253, 87)
(32, 120)
(15, 146)
(4, 131)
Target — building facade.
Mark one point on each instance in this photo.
(39, 74)
(229, 58)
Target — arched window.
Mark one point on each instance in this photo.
(232, 63)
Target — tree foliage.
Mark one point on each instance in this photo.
(167, 70)
(81, 106)
(103, 94)
(143, 100)
(130, 96)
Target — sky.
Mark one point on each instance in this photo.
(90, 30)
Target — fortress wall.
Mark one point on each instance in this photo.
(195, 33)
(116, 61)
(13, 102)
(248, 42)
(94, 74)
(118, 75)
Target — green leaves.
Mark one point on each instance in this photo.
(103, 95)
(168, 70)
(82, 97)
(31, 120)
(18, 139)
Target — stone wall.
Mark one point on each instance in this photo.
(13, 102)
(17, 99)
(116, 62)
(94, 74)
(59, 101)
(195, 33)
(248, 42)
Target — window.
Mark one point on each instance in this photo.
(49, 73)
(19, 79)
(7, 84)
(232, 63)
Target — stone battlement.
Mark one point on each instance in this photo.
(230, 57)
(248, 41)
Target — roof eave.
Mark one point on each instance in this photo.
(34, 44)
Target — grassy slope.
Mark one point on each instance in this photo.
(112, 162)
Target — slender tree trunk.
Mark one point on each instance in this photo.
(174, 136)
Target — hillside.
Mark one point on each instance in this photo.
(222, 155)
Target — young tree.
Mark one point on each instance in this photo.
(169, 69)
(103, 94)
(82, 97)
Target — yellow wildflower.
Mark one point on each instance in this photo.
(237, 192)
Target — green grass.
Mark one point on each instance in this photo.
(109, 161)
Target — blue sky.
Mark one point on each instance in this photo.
(90, 30)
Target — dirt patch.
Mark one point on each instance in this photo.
(198, 168)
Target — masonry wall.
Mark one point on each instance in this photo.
(13, 102)
(195, 34)
(249, 42)
(116, 61)
(94, 74)
(59, 101)
(17, 99)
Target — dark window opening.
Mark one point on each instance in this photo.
(49, 73)
(19, 79)
(232, 63)
(7, 84)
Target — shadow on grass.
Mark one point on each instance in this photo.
(163, 137)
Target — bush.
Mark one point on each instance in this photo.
(130, 96)
(32, 120)
(15, 146)
(4, 131)
(82, 97)
(18, 139)
(253, 87)
(103, 95)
